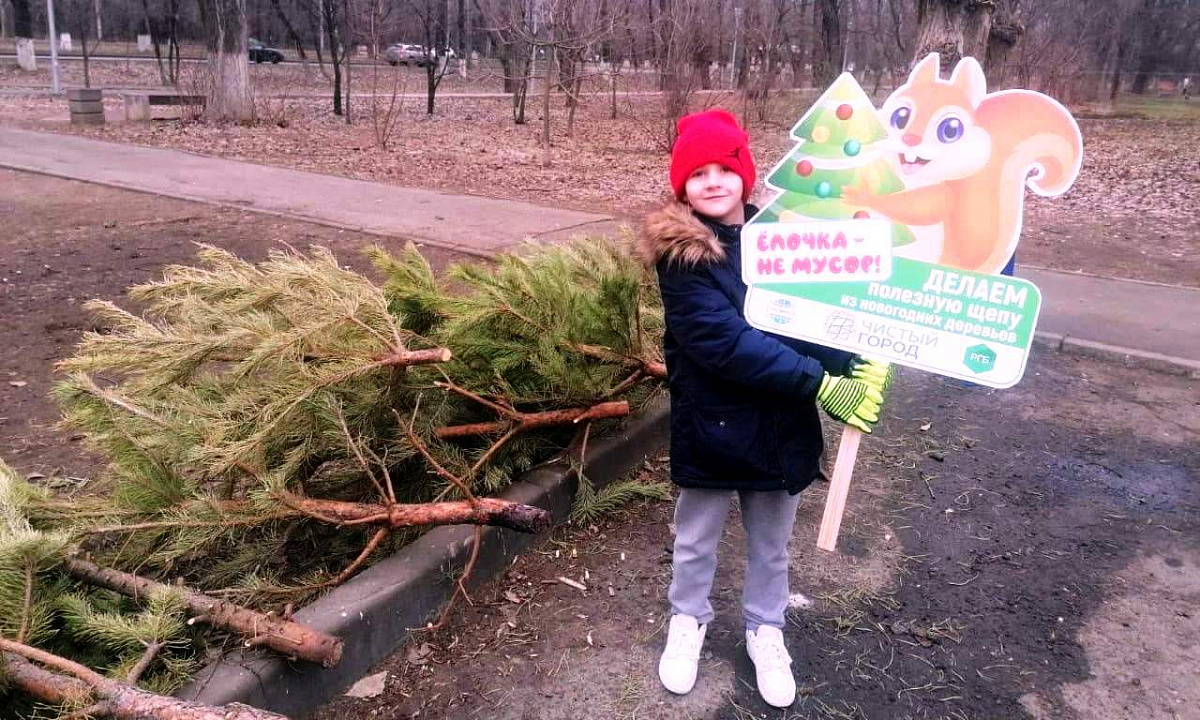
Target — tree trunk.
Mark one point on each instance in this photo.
(84, 27)
(290, 638)
(953, 28)
(162, 73)
(290, 29)
(547, 85)
(1006, 31)
(1118, 66)
(117, 699)
(22, 19)
(228, 97)
(827, 42)
(463, 52)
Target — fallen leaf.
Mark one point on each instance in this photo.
(418, 654)
(369, 687)
(512, 597)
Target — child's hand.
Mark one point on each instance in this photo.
(853, 402)
(876, 373)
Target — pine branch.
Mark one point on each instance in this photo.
(123, 701)
(289, 638)
(27, 607)
(144, 662)
(480, 511)
(529, 421)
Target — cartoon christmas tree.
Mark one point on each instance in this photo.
(835, 137)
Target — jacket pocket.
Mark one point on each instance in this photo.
(732, 440)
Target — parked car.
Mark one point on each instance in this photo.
(400, 54)
(261, 53)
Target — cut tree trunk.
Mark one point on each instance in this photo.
(528, 421)
(116, 699)
(483, 511)
(653, 368)
(290, 638)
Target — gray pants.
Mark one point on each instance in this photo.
(768, 518)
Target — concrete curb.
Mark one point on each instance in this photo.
(1131, 357)
(375, 610)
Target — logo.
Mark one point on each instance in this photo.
(736, 154)
(980, 358)
(782, 311)
(839, 326)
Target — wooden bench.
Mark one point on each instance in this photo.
(142, 106)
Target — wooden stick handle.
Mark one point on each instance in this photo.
(839, 487)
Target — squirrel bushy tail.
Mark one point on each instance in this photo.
(1041, 136)
(1041, 133)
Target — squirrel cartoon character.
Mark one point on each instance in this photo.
(965, 157)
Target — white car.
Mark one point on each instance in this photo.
(400, 54)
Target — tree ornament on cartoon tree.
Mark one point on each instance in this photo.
(836, 149)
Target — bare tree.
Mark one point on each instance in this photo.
(827, 41)
(383, 116)
(23, 30)
(228, 96)
(81, 17)
(1005, 32)
(160, 27)
(953, 29)
(431, 14)
(678, 32)
(509, 25)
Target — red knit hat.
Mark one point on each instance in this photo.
(706, 137)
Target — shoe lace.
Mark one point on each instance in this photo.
(681, 644)
(769, 652)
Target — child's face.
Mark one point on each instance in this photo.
(715, 191)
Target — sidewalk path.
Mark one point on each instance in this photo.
(1102, 314)
(467, 223)
(1124, 314)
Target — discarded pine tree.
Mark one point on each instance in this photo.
(270, 427)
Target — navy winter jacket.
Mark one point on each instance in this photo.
(743, 410)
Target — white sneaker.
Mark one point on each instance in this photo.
(677, 666)
(772, 666)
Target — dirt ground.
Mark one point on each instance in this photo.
(68, 242)
(1132, 212)
(1024, 554)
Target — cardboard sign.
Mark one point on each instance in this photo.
(966, 325)
(936, 180)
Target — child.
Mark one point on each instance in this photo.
(743, 415)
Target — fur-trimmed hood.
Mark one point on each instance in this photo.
(677, 235)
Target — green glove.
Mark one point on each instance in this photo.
(876, 373)
(853, 402)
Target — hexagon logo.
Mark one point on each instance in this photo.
(980, 358)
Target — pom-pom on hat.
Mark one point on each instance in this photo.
(706, 137)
